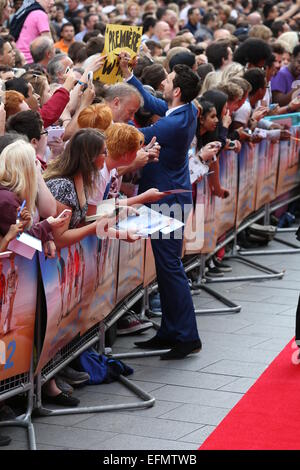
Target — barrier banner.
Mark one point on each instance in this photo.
(247, 183)
(226, 208)
(18, 296)
(210, 223)
(267, 165)
(149, 265)
(131, 267)
(118, 38)
(194, 226)
(80, 290)
(289, 165)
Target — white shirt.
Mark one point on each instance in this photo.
(103, 179)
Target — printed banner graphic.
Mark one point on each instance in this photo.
(80, 290)
(118, 38)
(131, 267)
(18, 291)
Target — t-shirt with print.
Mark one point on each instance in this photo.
(36, 23)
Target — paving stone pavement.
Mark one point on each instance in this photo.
(195, 394)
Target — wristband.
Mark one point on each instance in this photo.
(84, 84)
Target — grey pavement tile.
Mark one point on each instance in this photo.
(291, 312)
(213, 340)
(199, 436)
(222, 325)
(282, 300)
(274, 344)
(270, 307)
(65, 420)
(116, 388)
(280, 319)
(197, 414)
(66, 436)
(183, 378)
(159, 408)
(284, 284)
(247, 355)
(198, 396)
(127, 442)
(189, 363)
(267, 330)
(138, 425)
(236, 368)
(240, 385)
(266, 290)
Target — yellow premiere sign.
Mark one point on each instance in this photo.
(118, 38)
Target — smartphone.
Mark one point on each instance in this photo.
(64, 214)
(55, 132)
(231, 145)
(90, 77)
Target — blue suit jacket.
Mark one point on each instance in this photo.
(174, 133)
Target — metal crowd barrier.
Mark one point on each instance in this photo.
(90, 285)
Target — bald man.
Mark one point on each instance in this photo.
(161, 31)
(221, 34)
(42, 50)
(254, 18)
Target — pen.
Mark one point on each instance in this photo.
(20, 210)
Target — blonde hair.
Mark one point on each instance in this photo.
(211, 80)
(3, 4)
(18, 172)
(122, 138)
(290, 40)
(260, 31)
(96, 116)
(232, 90)
(232, 70)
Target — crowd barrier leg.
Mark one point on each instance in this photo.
(23, 421)
(292, 247)
(268, 273)
(230, 307)
(95, 336)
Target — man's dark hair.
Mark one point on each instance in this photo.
(153, 75)
(267, 8)
(77, 51)
(252, 51)
(277, 27)
(277, 48)
(296, 50)
(191, 11)
(88, 16)
(28, 123)
(216, 52)
(18, 84)
(208, 17)
(256, 78)
(92, 34)
(152, 45)
(94, 46)
(188, 82)
(160, 13)
(2, 42)
(143, 62)
(148, 23)
(65, 25)
(100, 26)
(9, 138)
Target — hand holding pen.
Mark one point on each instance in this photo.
(23, 214)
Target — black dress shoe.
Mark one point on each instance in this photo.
(155, 343)
(62, 400)
(181, 350)
(4, 440)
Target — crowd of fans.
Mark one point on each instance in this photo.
(244, 58)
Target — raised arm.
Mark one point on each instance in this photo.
(151, 103)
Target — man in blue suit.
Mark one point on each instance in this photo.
(174, 132)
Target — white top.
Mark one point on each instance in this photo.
(103, 179)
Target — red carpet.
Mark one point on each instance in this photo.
(268, 415)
